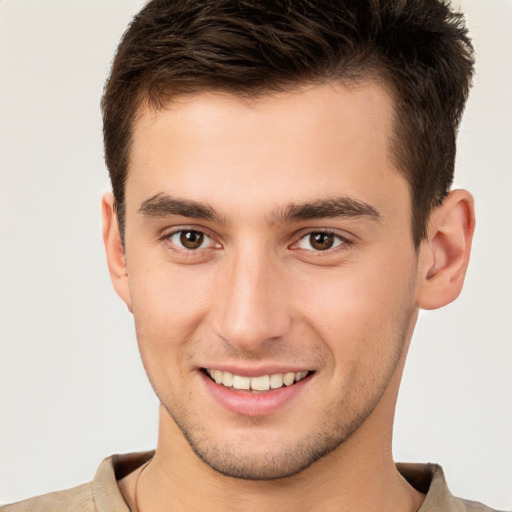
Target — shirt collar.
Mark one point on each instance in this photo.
(426, 478)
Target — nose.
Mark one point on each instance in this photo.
(252, 308)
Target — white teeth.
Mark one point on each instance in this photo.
(289, 379)
(260, 383)
(227, 379)
(276, 380)
(240, 382)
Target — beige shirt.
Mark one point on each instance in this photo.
(103, 494)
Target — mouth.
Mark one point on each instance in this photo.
(258, 384)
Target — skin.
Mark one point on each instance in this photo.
(257, 295)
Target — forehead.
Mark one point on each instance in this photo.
(284, 147)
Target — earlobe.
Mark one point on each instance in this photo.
(444, 256)
(114, 250)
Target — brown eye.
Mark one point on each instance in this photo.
(320, 241)
(189, 239)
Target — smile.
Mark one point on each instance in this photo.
(256, 384)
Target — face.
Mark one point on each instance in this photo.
(270, 270)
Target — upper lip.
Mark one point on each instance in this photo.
(256, 371)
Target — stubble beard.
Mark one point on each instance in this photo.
(339, 421)
(291, 459)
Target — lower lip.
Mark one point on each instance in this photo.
(254, 404)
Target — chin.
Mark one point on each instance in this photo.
(256, 455)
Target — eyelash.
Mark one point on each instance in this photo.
(175, 247)
(341, 242)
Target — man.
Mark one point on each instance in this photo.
(280, 212)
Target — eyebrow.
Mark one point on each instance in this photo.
(343, 206)
(163, 205)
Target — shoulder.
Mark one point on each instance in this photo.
(100, 495)
(76, 499)
(430, 480)
(471, 506)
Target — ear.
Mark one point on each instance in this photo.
(444, 256)
(114, 250)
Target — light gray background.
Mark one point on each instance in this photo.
(72, 389)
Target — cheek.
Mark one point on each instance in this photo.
(169, 303)
(166, 317)
(357, 312)
(168, 291)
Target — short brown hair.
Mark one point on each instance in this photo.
(420, 48)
